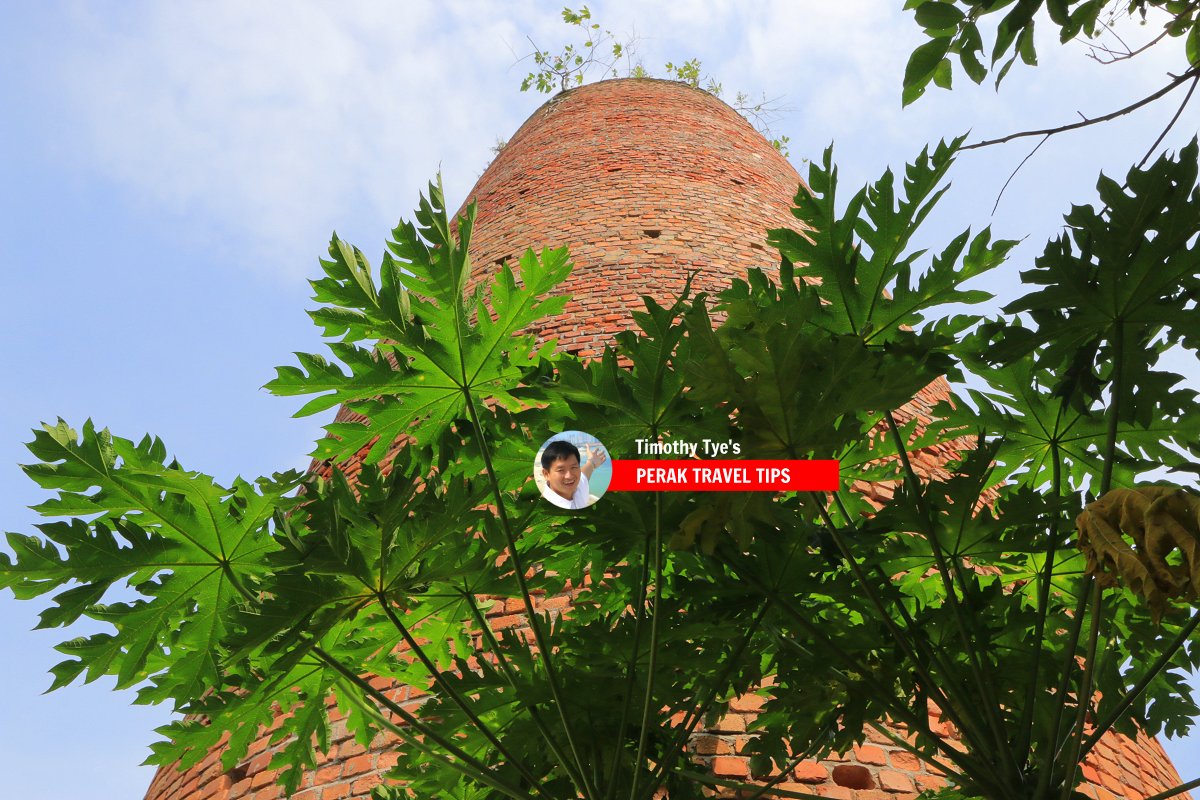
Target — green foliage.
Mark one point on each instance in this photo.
(688, 72)
(597, 49)
(420, 345)
(187, 546)
(600, 53)
(859, 258)
(954, 31)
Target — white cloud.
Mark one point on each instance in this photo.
(274, 122)
(264, 125)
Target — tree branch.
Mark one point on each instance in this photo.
(1018, 169)
(1119, 56)
(1180, 789)
(1160, 663)
(1179, 111)
(1184, 78)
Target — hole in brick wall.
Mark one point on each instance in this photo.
(737, 182)
(653, 234)
(757, 246)
(853, 776)
(236, 774)
(614, 169)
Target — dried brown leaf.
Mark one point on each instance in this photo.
(1128, 535)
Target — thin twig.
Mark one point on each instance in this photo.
(1015, 171)
(1128, 54)
(1184, 78)
(1116, 35)
(1170, 124)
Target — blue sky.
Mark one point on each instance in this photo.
(170, 173)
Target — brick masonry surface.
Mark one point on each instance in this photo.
(647, 181)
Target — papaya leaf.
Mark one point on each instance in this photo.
(191, 550)
(855, 258)
(424, 342)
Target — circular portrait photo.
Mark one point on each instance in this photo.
(572, 469)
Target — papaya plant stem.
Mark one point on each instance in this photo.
(482, 773)
(1064, 684)
(519, 572)
(906, 745)
(785, 773)
(709, 695)
(461, 761)
(841, 506)
(901, 636)
(1114, 413)
(1085, 695)
(551, 740)
(724, 783)
(405, 736)
(933, 653)
(900, 711)
(967, 772)
(1110, 452)
(1046, 576)
(639, 610)
(711, 780)
(440, 680)
(1136, 691)
(700, 709)
(1174, 790)
(991, 706)
(647, 700)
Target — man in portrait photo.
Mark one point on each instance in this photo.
(566, 477)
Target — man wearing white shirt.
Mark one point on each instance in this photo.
(566, 480)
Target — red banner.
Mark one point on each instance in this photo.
(692, 475)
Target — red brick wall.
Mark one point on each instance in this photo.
(645, 181)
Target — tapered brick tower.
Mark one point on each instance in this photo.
(646, 181)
